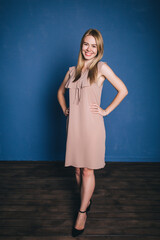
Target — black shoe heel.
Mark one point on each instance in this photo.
(88, 208)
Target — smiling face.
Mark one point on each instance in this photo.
(89, 47)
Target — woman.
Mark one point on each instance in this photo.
(85, 147)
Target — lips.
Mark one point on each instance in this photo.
(88, 54)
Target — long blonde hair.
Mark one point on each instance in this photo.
(93, 70)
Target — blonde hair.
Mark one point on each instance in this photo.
(93, 70)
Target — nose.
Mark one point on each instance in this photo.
(89, 48)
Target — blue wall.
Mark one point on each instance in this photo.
(40, 40)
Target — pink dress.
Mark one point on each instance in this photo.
(85, 145)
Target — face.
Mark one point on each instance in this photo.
(89, 47)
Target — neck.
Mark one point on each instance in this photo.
(87, 63)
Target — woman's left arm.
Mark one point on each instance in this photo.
(108, 73)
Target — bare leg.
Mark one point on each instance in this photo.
(78, 178)
(87, 189)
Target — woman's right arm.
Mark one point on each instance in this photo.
(61, 95)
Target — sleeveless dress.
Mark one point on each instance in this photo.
(86, 136)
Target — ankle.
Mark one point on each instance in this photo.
(82, 211)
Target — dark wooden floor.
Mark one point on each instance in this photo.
(38, 201)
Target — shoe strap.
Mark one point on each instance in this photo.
(82, 211)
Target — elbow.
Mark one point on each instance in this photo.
(60, 93)
(126, 92)
(57, 93)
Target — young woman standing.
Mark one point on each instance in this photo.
(85, 146)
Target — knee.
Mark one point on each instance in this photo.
(86, 172)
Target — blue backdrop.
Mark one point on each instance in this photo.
(40, 40)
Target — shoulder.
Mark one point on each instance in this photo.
(101, 64)
(72, 68)
(71, 71)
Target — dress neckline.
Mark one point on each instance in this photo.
(84, 71)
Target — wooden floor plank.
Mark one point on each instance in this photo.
(84, 237)
(69, 215)
(38, 201)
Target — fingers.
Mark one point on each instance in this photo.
(66, 112)
(94, 108)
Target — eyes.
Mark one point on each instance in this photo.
(94, 46)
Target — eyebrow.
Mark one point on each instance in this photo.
(91, 44)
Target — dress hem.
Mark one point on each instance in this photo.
(70, 165)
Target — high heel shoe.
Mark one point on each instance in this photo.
(75, 231)
(88, 208)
